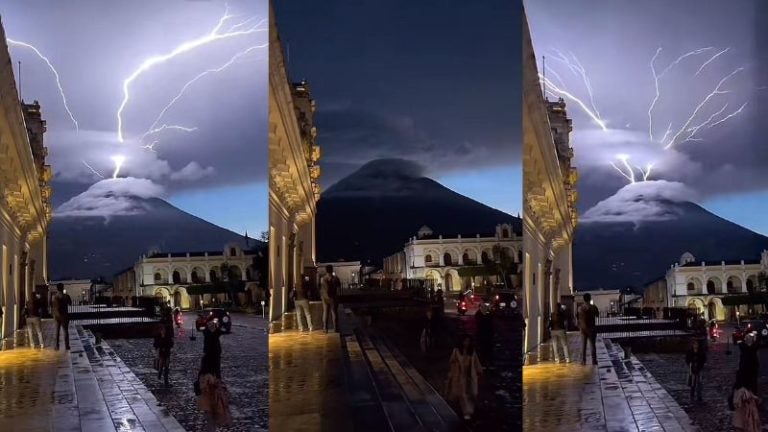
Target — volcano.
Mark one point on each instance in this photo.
(634, 237)
(107, 232)
(372, 213)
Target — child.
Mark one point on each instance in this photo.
(213, 396)
(695, 358)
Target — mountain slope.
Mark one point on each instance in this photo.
(617, 254)
(90, 246)
(373, 212)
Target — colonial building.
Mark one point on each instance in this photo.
(441, 259)
(350, 273)
(169, 276)
(549, 211)
(702, 285)
(25, 208)
(80, 290)
(655, 295)
(293, 182)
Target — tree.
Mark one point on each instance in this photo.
(264, 236)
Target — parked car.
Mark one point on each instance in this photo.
(748, 326)
(205, 315)
(504, 301)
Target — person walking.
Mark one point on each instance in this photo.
(302, 304)
(557, 326)
(212, 345)
(213, 395)
(33, 314)
(163, 344)
(61, 303)
(749, 363)
(464, 376)
(587, 319)
(485, 333)
(426, 339)
(695, 358)
(329, 285)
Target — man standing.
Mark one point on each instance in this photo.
(61, 302)
(302, 304)
(33, 320)
(587, 316)
(328, 290)
(557, 326)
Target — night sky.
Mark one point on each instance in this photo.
(723, 167)
(218, 171)
(433, 82)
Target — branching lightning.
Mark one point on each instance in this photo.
(551, 87)
(214, 35)
(192, 81)
(93, 170)
(55, 74)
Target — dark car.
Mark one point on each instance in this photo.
(749, 326)
(225, 320)
(504, 301)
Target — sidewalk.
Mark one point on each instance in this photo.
(306, 376)
(86, 389)
(616, 395)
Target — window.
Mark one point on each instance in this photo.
(158, 277)
(447, 259)
(505, 233)
(691, 286)
(232, 252)
(428, 259)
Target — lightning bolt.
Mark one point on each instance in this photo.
(195, 79)
(91, 168)
(715, 92)
(118, 164)
(558, 91)
(55, 74)
(578, 69)
(629, 174)
(711, 60)
(166, 127)
(657, 77)
(150, 146)
(214, 35)
(646, 172)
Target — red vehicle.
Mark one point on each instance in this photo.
(750, 326)
(219, 314)
(461, 306)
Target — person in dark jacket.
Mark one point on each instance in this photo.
(212, 346)
(34, 311)
(163, 344)
(557, 326)
(485, 334)
(695, 358)
(428, 327)
(749, 363)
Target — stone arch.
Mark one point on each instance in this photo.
(693, 285)
(160, 275)
(179, 275)
(715, 309)
(752, 283)
(235, 273)
(450, 257)
(505, 232)
(163, 293)
(452, 280)
(469, 256)
(214, 273)
(714, 285)
(508, 251)
(696, 304)
(434, 254)
(197, 275)
(435, 276)
(486, 255)
(181, 298)
(733, 284)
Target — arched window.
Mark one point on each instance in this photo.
(176, 277)
(465, 258)
(505, 233)
(428, 259)
(710, 287)
(158, 277)
(691, 286)
(195, 277)
(484, 257)
(447, 259)
(214, 276)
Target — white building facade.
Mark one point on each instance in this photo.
(702, 285)
(293, 182)
(437, 258)
(25, 208)
(549, 208)
(168, 276)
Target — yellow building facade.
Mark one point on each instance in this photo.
(549, 211)
(293, 183)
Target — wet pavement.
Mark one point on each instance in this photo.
(307, 390)
(244, 371)
(618, 394)
(712, 413)
(79, 390)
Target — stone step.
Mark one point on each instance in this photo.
(363, 395)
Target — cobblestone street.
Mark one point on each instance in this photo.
(500, 404)
(244, 370)
(711, 415)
